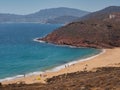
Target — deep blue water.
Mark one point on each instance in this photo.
(19, 54)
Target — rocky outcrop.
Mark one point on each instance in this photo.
(97, 33)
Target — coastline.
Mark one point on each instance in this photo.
(54, 69)
(41, 41)
(74, 66)
(16, 78)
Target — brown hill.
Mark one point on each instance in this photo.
(103, 79)
(94, 32)
(101, 13)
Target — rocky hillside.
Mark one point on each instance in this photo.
(101, 13)
(92, 32)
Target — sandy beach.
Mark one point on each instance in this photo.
(111, 57)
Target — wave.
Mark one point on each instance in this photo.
(36, 40)
(11, 78)
(20, 76)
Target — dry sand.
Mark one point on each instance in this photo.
(111, 57)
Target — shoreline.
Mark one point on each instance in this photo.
(41, 41)
(76, 61)
(100, 60)
(54, 69)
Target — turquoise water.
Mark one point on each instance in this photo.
(19, 54)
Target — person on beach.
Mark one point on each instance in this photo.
(24, 75)
(40, 75)
(65, 66)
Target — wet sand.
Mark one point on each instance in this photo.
(111, 57)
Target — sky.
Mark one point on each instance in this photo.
(30, 6)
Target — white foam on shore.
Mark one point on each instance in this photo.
(21, 76)
(74, 62)
(34, 73)
(55, 68)
(41, 41)
(11, 78)
(36, 40)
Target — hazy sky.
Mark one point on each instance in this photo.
(30, 6)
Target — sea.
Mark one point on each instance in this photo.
(20, 54)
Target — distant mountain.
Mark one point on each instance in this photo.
(101, 14)
(63, 19)
(10, 17)
(100, 30)
(43, 15)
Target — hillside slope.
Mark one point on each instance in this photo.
(101, 13)
(92, 32)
